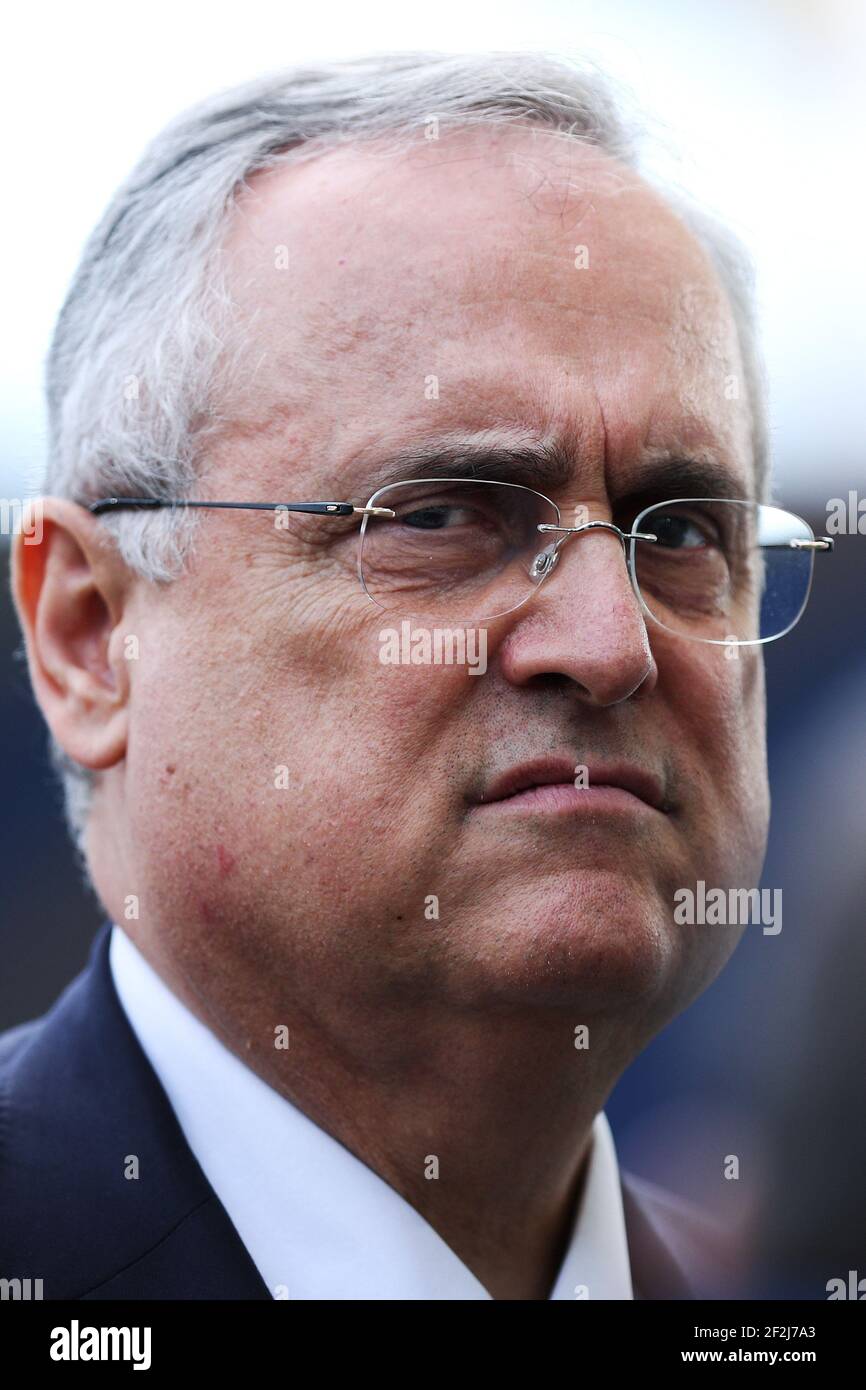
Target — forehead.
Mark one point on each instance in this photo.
(535, 280)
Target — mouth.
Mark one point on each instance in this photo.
(566, 785)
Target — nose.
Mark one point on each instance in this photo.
(584, 622)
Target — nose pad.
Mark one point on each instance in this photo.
(545, 561)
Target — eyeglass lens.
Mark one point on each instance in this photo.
(468, 550)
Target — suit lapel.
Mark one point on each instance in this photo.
(104, 1197)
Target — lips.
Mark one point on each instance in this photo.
(544, 772)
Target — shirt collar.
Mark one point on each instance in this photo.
(317, 1222)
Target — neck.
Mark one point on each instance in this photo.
(481, 1120)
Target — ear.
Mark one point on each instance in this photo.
(71, 587)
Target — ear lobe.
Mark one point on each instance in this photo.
(70, 591)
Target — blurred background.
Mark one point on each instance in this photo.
(758, 109)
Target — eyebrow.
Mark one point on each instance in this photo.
(548, 466)
(534, 463)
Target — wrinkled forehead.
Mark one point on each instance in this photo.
(495, 260)
(479, 209)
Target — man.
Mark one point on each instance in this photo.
(387, 928)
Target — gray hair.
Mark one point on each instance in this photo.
(144, 347)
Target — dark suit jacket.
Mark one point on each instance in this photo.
(77, 1095)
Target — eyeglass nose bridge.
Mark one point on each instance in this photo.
(545, 562)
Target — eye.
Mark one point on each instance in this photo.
(438, 518)
(677, 532)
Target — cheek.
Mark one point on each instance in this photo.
(294, 763)
(365, 689)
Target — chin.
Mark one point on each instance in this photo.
(601, 946)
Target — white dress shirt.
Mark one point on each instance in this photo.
(316, 1221)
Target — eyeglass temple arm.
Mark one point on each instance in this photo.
(111, 504)
(819, 543)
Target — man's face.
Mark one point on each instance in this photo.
(458, 262)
